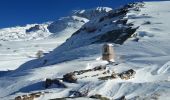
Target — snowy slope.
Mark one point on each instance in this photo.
(65, 25)
(146, 52)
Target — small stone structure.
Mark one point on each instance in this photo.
(108, 53)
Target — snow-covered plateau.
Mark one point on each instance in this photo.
(70, 64)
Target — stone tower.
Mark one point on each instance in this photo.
(108, 53)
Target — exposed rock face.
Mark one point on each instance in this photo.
(31, 96)
(77, 94)
(118, 36)
(33, 29)
(70, 77)
(122, 98)
(98, 96)
(124, 75)
(112, 76)
(127, 74)
(92, 13)
(57, 82)
(109, 27)
(97, 68)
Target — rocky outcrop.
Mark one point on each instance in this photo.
(118, 36)
(112, 76)
(124, 75)
(111, 26)
(97, 68)
(127, 74)
(33, 29)
(69, 77)
(59, 83)
(31, 96)
(98, 96)
(78, 94)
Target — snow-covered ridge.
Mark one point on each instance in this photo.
(21, 33)
(65, 25)
(92, 13)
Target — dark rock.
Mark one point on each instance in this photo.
(18, 98)
(57, 82)
(116, 36)
(91, 29)
(113, 76)
(59, 99)
(122, 21)
(70, 77)
(48, 83)
(136, 39)
(33, 29)
(127, 74)
(101, 19)
(123, 37)
(75, 94)
(130, 24)
(45, 61)
(98, 96)
(99, 68)
(35, 95)
(122, 98)
(146, 23)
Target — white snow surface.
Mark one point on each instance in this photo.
(149, 57)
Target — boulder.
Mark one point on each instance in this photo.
(57, 82)
(18, 98)
(75, 94)
(70, 77)
(127, 74)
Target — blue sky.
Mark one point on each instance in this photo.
(22, 12)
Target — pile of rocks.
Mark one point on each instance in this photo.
(124, 75)
(97, 68)
(31, 96)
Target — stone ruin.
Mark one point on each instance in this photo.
(108, 53)
(31, 96)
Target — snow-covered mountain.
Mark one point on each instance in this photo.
(65, 26)
(140, 36)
